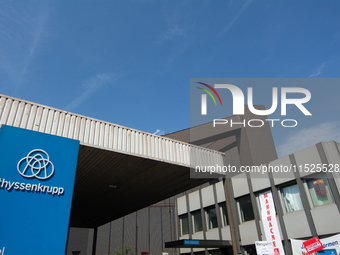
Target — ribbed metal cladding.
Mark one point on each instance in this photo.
(96, 133)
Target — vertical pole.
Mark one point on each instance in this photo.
(161, 228)
(94, 245)
(304, 198)
(232, 216)
(189, 220)
(255, 207)
(109, 248)
(136, 249)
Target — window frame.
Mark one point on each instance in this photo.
(181, 224)
(240, 211)
(193, 221)
(208, 218)
(281, 187)
(309, 196)
(221, 205)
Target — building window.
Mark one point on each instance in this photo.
(292, 198)
(246, 208)
(250, 249)
(320, 191)
(197, 219)
(184, 224)
(212, 217)
(224, 214)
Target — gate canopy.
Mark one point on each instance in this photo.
(119, 170)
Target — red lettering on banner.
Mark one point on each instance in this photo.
(267, 213)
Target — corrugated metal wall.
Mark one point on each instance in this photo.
(93, 132)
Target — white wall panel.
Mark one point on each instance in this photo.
(182, 205)
(240, 185)
(194, 201)
(307, 156)
(208, 196)
(213, 234)
(279, 176)
(220, 192)
(296, 224)
(226, 233)
(259, 181)
(248, 233)
(198, 235)
(326, 219)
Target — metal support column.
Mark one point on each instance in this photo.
(94, 245)
(232, 216)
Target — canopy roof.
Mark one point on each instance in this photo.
(119, 170)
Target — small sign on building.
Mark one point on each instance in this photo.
(191, 242)
(264, 248)
(313, 245)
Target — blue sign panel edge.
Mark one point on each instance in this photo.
(37, 205)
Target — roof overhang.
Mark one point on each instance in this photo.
(119, 169)
(110, 184)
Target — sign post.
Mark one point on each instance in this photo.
(37, 174)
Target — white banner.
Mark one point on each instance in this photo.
(271, 229)
(331, 246)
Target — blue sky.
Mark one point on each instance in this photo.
(130, 62)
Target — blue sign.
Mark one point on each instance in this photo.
(191, 242)
(37, 173)
(327, 252)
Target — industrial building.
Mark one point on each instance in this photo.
(135, 188)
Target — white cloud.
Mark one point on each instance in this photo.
(306, 137)
(23, 32)
(246, 4)
(159, 132)
(176, 27)
(90, 86)
(319, 71)
(171, 33)
(36, 34)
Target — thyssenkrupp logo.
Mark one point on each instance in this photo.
(36, 164)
